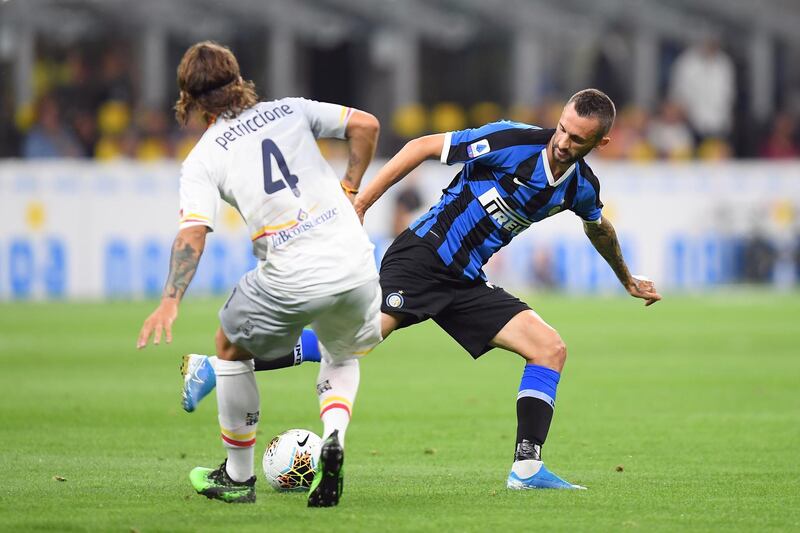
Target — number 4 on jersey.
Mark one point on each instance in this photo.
(269, 150)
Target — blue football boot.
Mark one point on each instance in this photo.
(541, 478)
(199, 379)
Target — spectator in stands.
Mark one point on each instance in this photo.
(49, 137)
(155, 143)
(760, 255)
(115, 80)
(714, 149)
(407, 206)
(542, 274)
(703, 83)
(611, 65)
(669, 134)
(185, 138)
(117, 137)
(630, 137)
(781, 142)
(85, 127)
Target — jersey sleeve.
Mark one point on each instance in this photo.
(326, 120)
(490, 144)
(590, 210)
(587, 203)
(199, 196)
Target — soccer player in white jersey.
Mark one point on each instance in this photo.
(316, 264)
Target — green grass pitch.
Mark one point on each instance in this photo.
(682, 416)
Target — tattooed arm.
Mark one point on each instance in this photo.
(605, 241)
(186, 252)
(362, 137)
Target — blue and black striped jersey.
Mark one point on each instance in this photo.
(505, 186)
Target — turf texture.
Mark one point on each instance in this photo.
(681, 416)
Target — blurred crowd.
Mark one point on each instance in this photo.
(86, 107)
(89, 109)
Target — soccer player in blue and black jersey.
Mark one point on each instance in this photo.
(513, 175)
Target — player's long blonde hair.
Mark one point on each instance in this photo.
(210, 82)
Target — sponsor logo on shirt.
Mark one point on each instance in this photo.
(478, 148)
(499, 210)
(304, 223)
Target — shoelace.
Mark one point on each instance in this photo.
(219, 475)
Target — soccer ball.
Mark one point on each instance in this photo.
(291, 459)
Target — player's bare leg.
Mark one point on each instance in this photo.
(545, 353)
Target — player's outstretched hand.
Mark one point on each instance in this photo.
(644, 288)
(160, 321)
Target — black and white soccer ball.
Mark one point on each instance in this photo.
(290, 460)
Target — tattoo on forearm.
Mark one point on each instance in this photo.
(182, 266)
(354, 168)
(605, 241)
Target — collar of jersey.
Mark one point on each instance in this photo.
(546, 161)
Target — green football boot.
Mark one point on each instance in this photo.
(216, 484)
(326, 489)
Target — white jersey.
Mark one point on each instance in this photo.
(266, 164)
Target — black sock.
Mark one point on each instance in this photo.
(533, 423)
(535, 403)
(283, 361)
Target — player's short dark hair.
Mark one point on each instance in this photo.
(597, 104)
(210, 82)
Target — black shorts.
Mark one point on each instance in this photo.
(417, 285)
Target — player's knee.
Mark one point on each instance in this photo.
(552, 353)
(559, 352)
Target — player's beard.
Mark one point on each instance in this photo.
(570, 158)
(554, 154)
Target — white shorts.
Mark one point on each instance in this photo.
(268, 325)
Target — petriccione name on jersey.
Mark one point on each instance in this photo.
(499, 210)
(251, 122)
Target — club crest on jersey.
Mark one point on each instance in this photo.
(302, 215)
(478, 148)
(501, 212)
(395, 300)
